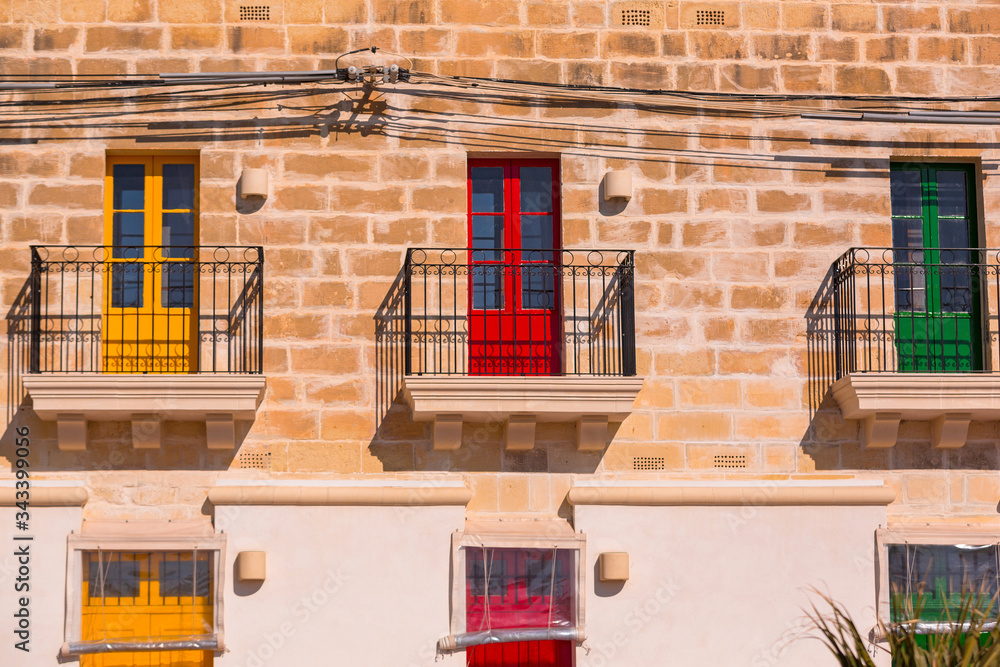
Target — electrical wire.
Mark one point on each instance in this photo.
(374, 50)
(481, 81)
(747, 103)
(961, 118)
(807, 105)
(499, 83)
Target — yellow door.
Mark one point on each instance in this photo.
(159, 596)
(151, 291)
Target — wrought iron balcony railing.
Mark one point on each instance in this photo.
(915, 310)
(518, 311)
(145, 309)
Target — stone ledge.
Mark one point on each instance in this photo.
(589, 402)
(72, 399)
(950, 401)
(47, 496)
(359, 495)
(753, 496)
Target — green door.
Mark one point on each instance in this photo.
(936, 268)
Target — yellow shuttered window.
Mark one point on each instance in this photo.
(156, 602)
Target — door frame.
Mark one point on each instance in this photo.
(152, 287)
(513, 255)
(978, 317)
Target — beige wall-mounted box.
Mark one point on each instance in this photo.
(617, 185)
(251, 566)
(613, 566)
(253, 183)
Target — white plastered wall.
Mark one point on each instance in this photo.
(50, 527)
(355, 585)
(724, 585)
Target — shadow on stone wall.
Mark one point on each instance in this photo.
(401, 444)
(109, 444)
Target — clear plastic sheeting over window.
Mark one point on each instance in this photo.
(139, 588)
(937, 578)
(516, 588)
(499, 636)
(138, 601)
(519, 588)
(144, 644)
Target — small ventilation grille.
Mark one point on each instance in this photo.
(255, 13)
(643, 17)
(255, 460)
(710, 17)
(647, 463)
(730, 461)
(637, 14)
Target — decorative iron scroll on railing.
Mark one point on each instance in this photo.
(926, 310)
(518, 311)
(146, 309)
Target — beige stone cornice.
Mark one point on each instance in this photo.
(518, 402)
(731, 495)
(109, 397)
(340, 495)
(73, 399)
(950, 401)
(559, 398)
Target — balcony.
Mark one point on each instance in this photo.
(144, 334)
(913, 340)
(519, 336)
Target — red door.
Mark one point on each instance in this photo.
(521, 654)
(519, 588)
(514, 267)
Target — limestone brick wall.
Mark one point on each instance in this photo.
(736, 218)
(809, 46)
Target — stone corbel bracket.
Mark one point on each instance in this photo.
(519, 403)
(949, 401)
(73, 399)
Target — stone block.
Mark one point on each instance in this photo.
(686, 426)
(317, 40)
(942, 49)
(628, 44)
(781, 47)
(191, 11)
(255, 39)
(716, 45)
(71, 432)
(887, 49)
(519, 432)
(857, 17)
(146, 431)
(571, 45)
(976, 21)
(804, 16)
(591, 433)
(904, 19)
(108, 38)
(839, 49)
